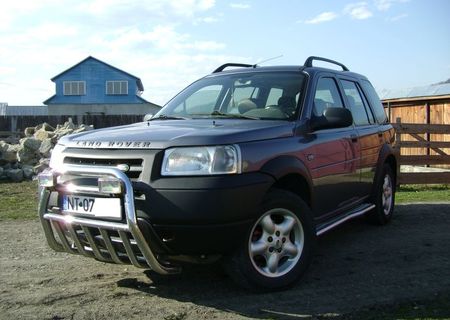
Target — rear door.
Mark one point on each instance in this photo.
(369, 137)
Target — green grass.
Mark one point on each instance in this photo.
(423, 193)
(18, 200)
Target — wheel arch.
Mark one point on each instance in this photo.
(290, 174)
(387, 156)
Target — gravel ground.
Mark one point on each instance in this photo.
(356, 266)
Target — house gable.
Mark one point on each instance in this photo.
(92, 81)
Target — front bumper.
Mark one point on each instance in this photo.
(117, 242)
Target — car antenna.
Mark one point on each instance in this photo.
(267, 60)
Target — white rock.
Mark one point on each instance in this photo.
(31, 143)
(46, 148)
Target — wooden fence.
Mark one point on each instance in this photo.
(19, 123)
(431, 147)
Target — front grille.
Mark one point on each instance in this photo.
(135, 165)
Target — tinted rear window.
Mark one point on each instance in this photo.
(374, 101)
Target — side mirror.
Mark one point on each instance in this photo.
(332, 118)
(148, 116)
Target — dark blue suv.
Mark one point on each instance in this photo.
(245, 166)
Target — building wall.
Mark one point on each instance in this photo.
(95, 74)
(19, 123)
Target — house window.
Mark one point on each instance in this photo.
(74, 88)
(116, 87)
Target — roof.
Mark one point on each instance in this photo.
(433, 90)
(138, 80)
(6, 110)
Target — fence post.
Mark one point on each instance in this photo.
(398, 135)
(397, 149)
(389, 110)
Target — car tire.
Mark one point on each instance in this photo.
(384, 197)
(278, 247)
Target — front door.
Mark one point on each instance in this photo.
(334, 161)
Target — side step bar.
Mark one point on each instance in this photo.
(359, 211)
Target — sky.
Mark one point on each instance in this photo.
(170, 43)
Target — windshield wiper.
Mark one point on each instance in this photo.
(232, 115)
(166, 117)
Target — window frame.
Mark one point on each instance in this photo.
(371, 102)
(120, 83)
(370, 118)
(71, 91)
(338, 89)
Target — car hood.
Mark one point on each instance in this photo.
(161, 134)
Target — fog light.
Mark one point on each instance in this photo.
(46, 179)
(109, 185)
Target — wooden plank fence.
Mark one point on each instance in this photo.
(431, 152)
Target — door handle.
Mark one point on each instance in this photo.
(354, 137)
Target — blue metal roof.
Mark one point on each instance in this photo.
(6, 110)
(426, 91)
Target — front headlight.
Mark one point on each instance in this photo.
(57, 157)
(201, 161)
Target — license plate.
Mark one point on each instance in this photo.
(96, 207)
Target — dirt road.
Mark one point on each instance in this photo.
(356, 266)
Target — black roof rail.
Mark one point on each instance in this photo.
(309, 61)
(226, 65)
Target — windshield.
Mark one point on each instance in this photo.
(256, 95)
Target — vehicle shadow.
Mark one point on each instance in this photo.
(356, 266)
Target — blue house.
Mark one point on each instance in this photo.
(93, 87)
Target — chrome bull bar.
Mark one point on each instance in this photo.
(103, 240)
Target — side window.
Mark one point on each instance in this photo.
(201, 102)
(326, 96)
(355, 103)
(244, 93)
(274, 95)
(374, 101)
(366, 105)
(241, 94)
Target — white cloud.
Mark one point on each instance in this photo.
(12, 11)
(323, 17)
(186, 8)
(384, 5)
(206, 45)
(51, 31)
(240, 5)
(209, 19)
(359, 11)
(206, 20)
(189, 7)
(161, 38)
(398, 17)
